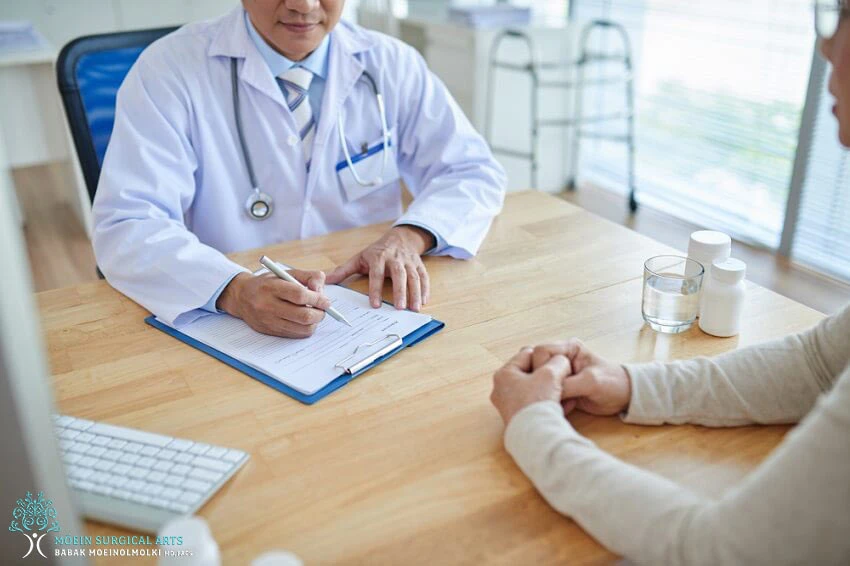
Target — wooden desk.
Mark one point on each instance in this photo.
(406, 464)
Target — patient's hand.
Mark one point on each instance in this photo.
(596, 386)
(515, 385)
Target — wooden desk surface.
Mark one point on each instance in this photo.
(406, 463)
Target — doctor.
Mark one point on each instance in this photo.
(277, 122)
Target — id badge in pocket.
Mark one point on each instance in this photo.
(369, 165)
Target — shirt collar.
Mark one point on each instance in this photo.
(316, 62)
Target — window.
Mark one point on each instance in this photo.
(720, 87)
(818, 227)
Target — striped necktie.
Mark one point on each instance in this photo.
(296, 81)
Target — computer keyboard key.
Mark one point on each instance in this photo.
(146, 462)
(149, 451)
(163, 466)
(69, 433)
(134, 485)
(72, 457)
(171, 479)
(141, 498)
(96, 451)
(133, 448)
(152, 489)
(103, 465)
(86, 462)
(98, 477)
(156, 477)
(100, 440)
(170, 493)
(129, 458)
(205, 475)
(121, 469)
(79, 473)
(183, 458)
(167, 454)
(111, 455)
(85, 437)
(210, 464)
(131, 434)
(74, 446)
(117, 481)
(61, 420)
(233, 455)
(158, 502)
(180, 469)
(196, 485)
(180, 444)
(79, 424)
(216, 452)
(199, 449)
(189, 497)
(117, 443)
(122, 494)
(137, 473)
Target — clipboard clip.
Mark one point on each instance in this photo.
(395, 342)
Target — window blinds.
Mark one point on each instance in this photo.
(819, 227)
(720, 86)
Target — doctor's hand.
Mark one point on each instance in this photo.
(398, 256)
(596, 385)
(517, 384)
(273, 306)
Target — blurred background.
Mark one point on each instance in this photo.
(732, 128)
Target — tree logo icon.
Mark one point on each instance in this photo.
(34, 518)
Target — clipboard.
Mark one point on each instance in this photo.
(351, 367)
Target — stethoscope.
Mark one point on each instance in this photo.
(259, 205)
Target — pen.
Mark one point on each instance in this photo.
(273, 267)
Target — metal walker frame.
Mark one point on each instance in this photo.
(586, 57)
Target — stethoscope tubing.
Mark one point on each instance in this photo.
(263, 202)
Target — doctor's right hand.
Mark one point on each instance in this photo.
(273, 306)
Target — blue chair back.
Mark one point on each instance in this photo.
(89, 71)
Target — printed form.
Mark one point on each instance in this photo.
(309, 364)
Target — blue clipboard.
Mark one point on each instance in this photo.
(411, 339)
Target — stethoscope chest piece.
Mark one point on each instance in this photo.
(259, 205)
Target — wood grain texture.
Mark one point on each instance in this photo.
(406, 464)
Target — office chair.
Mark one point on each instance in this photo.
(89, 71)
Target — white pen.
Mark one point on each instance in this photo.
(273, 267)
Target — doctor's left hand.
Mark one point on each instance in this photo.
(398, 256)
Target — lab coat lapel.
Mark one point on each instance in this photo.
(233, 41)
(344, 70)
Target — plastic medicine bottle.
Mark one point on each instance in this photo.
(705, 246)
(723, 298)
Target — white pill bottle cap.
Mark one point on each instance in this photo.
(729, 270)
(708, 243)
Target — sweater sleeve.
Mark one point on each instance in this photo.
(791, 510)
(775, 382)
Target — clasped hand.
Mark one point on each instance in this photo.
(565, 372)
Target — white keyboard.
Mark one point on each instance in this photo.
(138, 479)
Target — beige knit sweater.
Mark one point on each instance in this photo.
(794, 509)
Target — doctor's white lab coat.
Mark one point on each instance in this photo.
(172, 192)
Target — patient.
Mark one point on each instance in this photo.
(794, 509)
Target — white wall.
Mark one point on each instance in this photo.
(31, 112)
(62, 20)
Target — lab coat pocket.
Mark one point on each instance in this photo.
(376, 168)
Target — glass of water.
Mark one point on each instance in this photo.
(671, 286)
